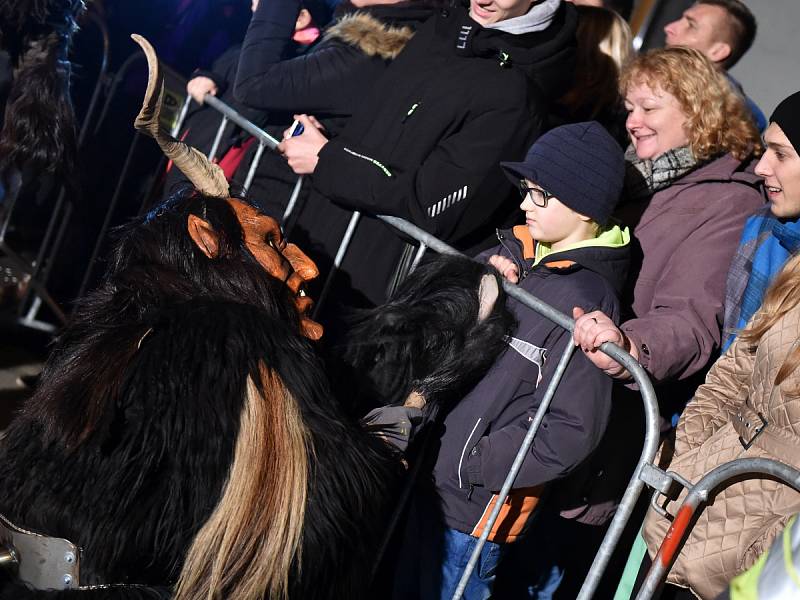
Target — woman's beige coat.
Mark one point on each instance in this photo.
(745, 516)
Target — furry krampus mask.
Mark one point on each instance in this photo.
(437, 335)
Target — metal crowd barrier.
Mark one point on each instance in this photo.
(36, 293)
(426, 241)
(645, 473)
(697, 498)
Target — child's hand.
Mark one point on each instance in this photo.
(506, 267)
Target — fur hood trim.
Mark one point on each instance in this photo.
(370, 35)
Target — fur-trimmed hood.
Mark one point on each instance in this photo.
(370, 35)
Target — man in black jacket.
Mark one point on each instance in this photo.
(267, 77)
(470, 88)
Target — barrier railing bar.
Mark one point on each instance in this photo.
(698, 495)
(264, 139)
(212, 154)
(253, 166)
(418, 257)
(245, 124)
(101, 76)
(292, 201)
(337, 261)
(176, 128)
(569, 350)
(115, 83)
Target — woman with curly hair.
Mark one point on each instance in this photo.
(688, 192)
(689, 189)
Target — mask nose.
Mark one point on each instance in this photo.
(301, 263)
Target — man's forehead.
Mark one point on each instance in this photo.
(774, 137)
(710, 16)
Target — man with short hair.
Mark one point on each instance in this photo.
(723, 30)
(472, 86)
(772, 235)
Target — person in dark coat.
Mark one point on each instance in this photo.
(277, 77)
(567, 254)
(425, 144)
(329, 80)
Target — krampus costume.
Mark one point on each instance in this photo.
(39, 123)
(184, 435)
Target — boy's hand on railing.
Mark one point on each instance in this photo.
(199, 86)
(591, 331)
(506, 267)
(302, 151)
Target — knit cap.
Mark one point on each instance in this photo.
(580, 164)
(787, 116)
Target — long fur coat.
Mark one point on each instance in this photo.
(185, 436)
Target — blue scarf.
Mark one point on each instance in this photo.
(764, 248)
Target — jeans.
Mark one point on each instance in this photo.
(458, 548)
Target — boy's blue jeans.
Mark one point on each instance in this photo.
(433, 557)
(458, 548)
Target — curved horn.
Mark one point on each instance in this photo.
(207, 177)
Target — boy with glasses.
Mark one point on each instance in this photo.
(567, 254)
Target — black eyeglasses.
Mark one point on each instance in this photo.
(538, 196)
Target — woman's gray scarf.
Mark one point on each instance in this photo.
(645, 177)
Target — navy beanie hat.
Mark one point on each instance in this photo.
(787, 116)
(580, 164)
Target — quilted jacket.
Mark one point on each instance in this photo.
(746, 516)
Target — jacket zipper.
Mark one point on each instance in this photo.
(521, 267)
(464, 450)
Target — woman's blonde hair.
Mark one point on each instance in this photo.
(604, 45)
(717, 120)
(781, 297)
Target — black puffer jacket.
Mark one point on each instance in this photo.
(426, 143)
(331, 79)
(328, 81)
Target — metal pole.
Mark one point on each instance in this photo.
(292, 200)
(345, 243)
(218, 138)
(176, 128)
(248, 126)
(253, 166)
(698, 495)
(418, 256)
(569, 349)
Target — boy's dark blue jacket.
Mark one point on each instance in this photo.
(484, 431)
